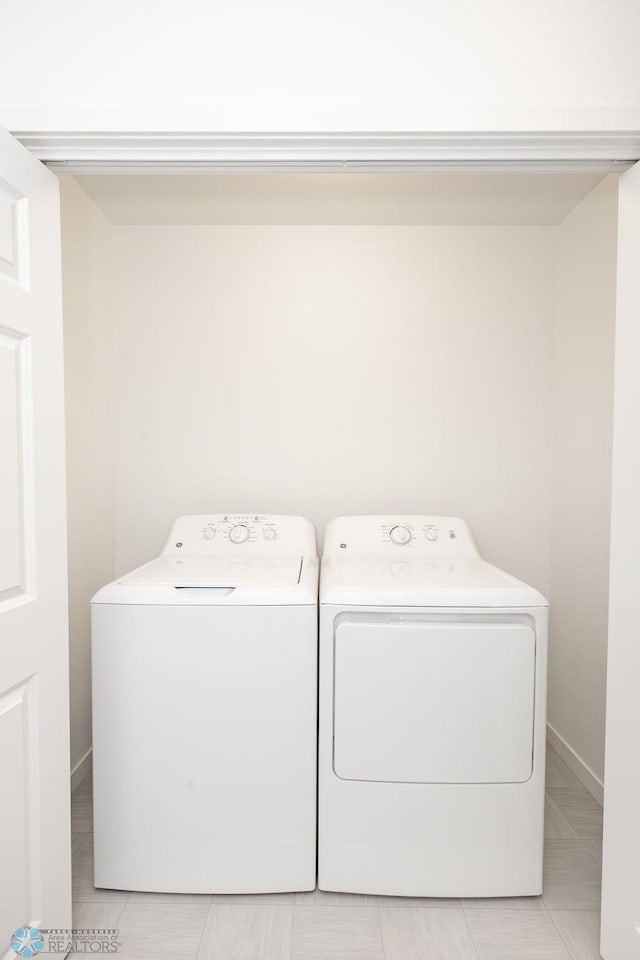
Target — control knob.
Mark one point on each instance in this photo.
(400, 535)
(269, 533)
(208, 533)
(239, 533)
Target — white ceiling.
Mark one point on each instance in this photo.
(339, 198)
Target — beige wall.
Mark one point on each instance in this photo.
(328, 370)
(87, 250)
(336, 370)
(581, 491)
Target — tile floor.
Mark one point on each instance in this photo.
(563, 924)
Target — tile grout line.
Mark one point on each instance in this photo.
(570, 953)
(466, 922)
(293, 924)
(551, 801)
(544, 906)
(123, 906)
(551, 910)
(596, 858)
(204, 927)
(382, 949)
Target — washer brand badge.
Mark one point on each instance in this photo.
(27, 942)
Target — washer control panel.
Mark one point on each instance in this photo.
(240, 528)
(240, 533)
(402, 535)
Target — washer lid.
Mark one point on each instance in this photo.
(207, 581)
(463, 582)
(212, 571)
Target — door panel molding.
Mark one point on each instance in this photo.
(20, 822)
(14, 221)
(17, 550)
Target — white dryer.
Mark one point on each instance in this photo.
(205, 712)
(432, 714)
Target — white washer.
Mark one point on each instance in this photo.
(205, 712)
(432, 714)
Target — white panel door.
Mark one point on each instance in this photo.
(35, 870)
(621, 853)
(434, 702)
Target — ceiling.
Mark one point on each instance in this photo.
(339, 198)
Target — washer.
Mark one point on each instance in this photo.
(432, 714)
(205, 712)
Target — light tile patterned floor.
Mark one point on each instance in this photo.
(563, 924)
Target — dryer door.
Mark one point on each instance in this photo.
(428, 701)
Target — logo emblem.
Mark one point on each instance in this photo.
(27, 942)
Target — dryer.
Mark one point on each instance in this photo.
(205, 711)
(432, 714)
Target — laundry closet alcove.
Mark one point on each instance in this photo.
(349, 343)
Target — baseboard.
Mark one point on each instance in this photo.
(81, 770)
(576, 764)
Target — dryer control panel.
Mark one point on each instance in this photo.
(233, 534)
(381, 537)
